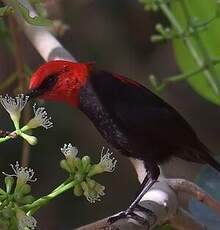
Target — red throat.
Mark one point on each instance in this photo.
(70, 78)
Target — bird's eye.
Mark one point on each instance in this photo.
(48, 82)
(51, 80)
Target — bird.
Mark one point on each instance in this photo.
(131, 118)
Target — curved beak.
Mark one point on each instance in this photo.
(32, 93)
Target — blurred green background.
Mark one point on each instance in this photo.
(116, 35)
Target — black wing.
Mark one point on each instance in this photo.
(141, 114)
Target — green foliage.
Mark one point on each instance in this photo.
(5, 10)
(200, 19)
(24, 12)
(194, 32)
(36, 20)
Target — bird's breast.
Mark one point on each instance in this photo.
(103, 121)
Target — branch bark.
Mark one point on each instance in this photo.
(40, 37)
(182, 185)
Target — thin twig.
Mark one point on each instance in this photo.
(40, 37)
(182, 185)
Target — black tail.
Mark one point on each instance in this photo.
(207, 158)
(215, 164)
(199, 153)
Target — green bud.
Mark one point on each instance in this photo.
(65, 166)
(78, 190)
(78, 164)
(17, 195)
(85, 162)
(71, 163)
(79, 177)
(2, 192)
(27, 199)
(95, 169)
(159, 27)
(25, 189)
(153, 80)
(3, 197)
(9, 181)
(156, 38)
(91, 183)
(100, 189)
(84, 186)
(7, 213)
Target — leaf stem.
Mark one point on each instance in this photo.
(177, 78)
(196, 56)
(65, 186)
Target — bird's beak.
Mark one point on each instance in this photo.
(32, 93)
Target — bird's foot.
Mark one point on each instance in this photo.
(130, 214)
(118, 216)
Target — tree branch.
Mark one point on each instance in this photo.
(162, 201)
(182, 185)
(43, 41)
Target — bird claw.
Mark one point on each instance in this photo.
(116, 217)
(128, 214)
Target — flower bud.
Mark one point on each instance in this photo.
(65, 166)
(26, 199)
(78, 177)
(9, 181)
(2, 192)
(3, 197)
(7, 212)
(95, 169)
(91, 183)
(85, 163)
(25, 189)
(78, 190)
(17, 195)
(78, 164)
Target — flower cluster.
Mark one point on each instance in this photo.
(14, 106)
(15, 196)
(81, 170)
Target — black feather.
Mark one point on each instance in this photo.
(138, 122)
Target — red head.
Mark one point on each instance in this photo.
(59, 81)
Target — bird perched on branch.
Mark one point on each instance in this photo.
(131, 118)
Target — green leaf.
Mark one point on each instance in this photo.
(201, 11)
(36, 20)
(5, 10)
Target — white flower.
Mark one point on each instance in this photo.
(40, 119)
(23, 174)
(107, 163)
(25, 222)
(93, 194)
(14, 106)
(69, 151)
